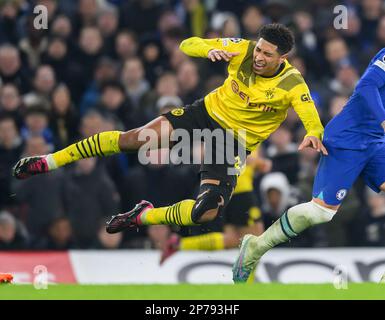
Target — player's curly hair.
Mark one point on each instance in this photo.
(279, 35)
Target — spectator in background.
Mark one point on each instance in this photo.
(86, 15)
(10, 103)
(126, 45)
(276, 196)
(372, 224)
(57, 56)
(137, 89)
(193, 15)
(9, 13)
(370, 12)
(88, 53)
(153, 59)
(284, 154)
(44, 82)
(167, 85)
(337, 54)
(108, 22)
(169, 20)
(62, 27)
(345, 80)
(59, 236)
(106, 240)
(213, 82)
(171, 39)
(140, 16)
(188, 80)
(10, 151)
(13, 235)
(106, 70)
(113, 102)
(91, 123)
(34, 44)
(307, 45)
(278, 10)
(227, 24)
(36, 121)
(64, 119)
(252, 19)
(352, 34)
(90, 196)
(11, 69)
(177, 58)
(37, 214)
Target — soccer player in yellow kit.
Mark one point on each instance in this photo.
(240, 217)
(260, 88)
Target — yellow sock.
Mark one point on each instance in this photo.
(178, 214)
(101, 144)
(209, 241)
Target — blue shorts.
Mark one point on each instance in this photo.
(338, 171)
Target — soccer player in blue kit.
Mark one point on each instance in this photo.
(355, 144)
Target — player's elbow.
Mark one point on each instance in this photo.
(186, 44)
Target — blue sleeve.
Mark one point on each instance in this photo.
(367, 88)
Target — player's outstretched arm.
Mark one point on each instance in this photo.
(213, 49)
(218, 55)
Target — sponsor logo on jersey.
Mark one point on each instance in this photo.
(306, 97)
(236, 40)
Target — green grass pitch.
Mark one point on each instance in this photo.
(371, 291)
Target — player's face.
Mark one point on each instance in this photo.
(266, 58)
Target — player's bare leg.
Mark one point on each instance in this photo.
(101, 144)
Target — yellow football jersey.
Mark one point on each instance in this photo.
(247, 101)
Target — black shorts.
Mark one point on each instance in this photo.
(195, 116)
(242, 210)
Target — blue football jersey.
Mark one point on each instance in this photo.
(359, 122)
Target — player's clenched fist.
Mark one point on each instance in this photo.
(218, 55)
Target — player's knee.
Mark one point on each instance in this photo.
(207, 206)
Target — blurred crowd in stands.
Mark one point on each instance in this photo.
(115, 65)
